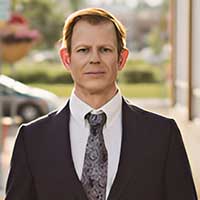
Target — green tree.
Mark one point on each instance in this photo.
(46, 16)
(158, 35)
(155, 41)
(76, 4)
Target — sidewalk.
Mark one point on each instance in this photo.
(5, 158)
(190, 132)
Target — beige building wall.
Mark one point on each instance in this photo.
(196, 59)
(182, 51)
(187, 59)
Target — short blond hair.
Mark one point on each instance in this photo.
(93, 16)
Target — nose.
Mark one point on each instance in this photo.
(94, 58)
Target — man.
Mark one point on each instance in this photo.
(98, 146)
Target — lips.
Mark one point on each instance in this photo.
(95, 73)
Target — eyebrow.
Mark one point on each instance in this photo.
(101, 45)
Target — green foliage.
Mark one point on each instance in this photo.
(41, 76)
(155, 40)
(158, 35)
(137, 76)
(45, 16)
(76, 4)
(138, 71)
(44, 72)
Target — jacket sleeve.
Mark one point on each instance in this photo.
(178, 177)
(20, 184)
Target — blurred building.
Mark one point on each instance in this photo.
(186, 59)
(138, 21)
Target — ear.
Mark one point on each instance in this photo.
(122, 58)
(65, 57)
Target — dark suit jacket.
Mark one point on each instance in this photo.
(153, 162)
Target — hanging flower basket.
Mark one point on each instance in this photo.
(14, 51)
(16, 39)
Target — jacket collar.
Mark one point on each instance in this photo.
(62, 120)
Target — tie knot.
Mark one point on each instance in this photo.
(96, 120)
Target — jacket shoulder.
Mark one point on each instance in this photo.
(47, 123)
(41, 121)
(144, 113)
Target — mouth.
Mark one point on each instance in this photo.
(94, 73)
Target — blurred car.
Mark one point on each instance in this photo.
(18, 99)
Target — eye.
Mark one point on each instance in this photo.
(105, 50)
(83, 50)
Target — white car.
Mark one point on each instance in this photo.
(18, 99)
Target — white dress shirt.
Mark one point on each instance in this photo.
(112, 132)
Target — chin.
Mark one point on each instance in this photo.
(97, 87)
(96, 90)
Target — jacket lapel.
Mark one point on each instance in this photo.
(128, 157)
(71, 180)
(128, 152)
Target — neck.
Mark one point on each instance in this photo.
(94, 99)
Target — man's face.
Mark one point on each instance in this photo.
(94, 60)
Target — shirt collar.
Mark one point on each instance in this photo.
(79, 108)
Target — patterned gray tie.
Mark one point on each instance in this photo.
(94, 175)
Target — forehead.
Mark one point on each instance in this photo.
(85, 32)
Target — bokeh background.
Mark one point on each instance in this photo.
(161, 75)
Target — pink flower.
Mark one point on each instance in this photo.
(17, 30)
